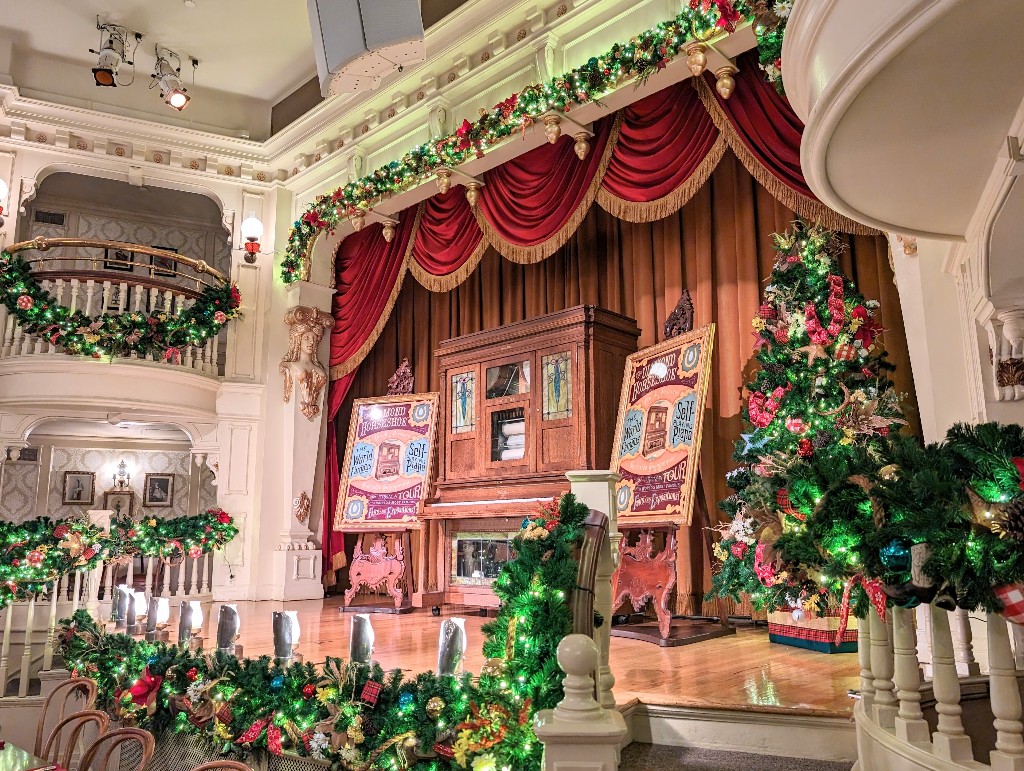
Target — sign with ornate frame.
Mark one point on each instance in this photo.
(389, 460)
(658, 430)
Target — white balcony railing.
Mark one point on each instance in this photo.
(950, 721)
(78, 274)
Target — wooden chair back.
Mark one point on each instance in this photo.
(222, 765)
(80, 690)
(67, 736)
(108, 750)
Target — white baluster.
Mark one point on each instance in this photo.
(910, 724)
(208, 356)
(149, 575)
(78, 591)
(950, 741)
(108, 591)
(5, 648)
(90, 296)
(51, 628)
(165, 580)
(4, 314)
(130, 578)
(197, 574)
(137, 304)
(26, 342)
(108, 289)
(26, 655)
(124, 299)
(867, 679)
(963, 644)
(209, 573)
(884, 707)
(6, 333)
(187, 358)
(75, 284)
(1005, 694)
(58, 291)
(215, 357)
(179, 582)
(168, 302)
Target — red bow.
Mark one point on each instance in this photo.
(1019, 465)
(145, 690)
(873, 587)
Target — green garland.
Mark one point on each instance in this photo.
(40, 551)
(175, 538)
(158, 334)
(241, 706)
(642, 56)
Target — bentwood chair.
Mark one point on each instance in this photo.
(68, 735)
(114, 749)
(222, 765)
(78, 692)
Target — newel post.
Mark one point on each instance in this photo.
(579, 734)
(596, 489)
(98, 518)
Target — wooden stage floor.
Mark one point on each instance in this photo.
(740, 672)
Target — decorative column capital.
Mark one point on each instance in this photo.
(1006, 338)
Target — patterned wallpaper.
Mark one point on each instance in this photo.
(140, 462)
(18, 492)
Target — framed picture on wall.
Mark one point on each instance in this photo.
(158, 491)
(119, 501)
(163, 266)
(118, 259)
(79, 488)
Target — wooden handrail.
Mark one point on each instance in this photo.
(101, 277)
(43, 244)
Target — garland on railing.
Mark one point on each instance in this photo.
(362, 717)
(901, 523)
(642, 56)
(175, 538)
(159, 334)
(40, 551)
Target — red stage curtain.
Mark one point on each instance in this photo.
(667, 147)
(333, 544)
(369, 273)
(448, 243)
(531, 205)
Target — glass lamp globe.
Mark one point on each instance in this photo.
(252, 228)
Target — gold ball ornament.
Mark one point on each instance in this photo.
(889, 473)
(434, 706)
(493, 668)
(725, 84)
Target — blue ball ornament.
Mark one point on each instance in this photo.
(277, 683)
(895, 555)
(152, 660)
(526, 523)
(405, 699)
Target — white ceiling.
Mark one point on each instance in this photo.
(95, 429)
(256, 48)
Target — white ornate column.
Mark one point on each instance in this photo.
(596, 489)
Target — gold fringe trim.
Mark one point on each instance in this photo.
(807, 208)
(449, 281)
(650, 211)
(306, 265)
(527, 255)
(338, 561)
(339, 371)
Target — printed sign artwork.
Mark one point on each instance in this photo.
(657, 436)
(388, 460)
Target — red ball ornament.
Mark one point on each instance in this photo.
(195, 552)
(805, 448)
(25, 302)
(35, 558)
(220, 317)
(308, 690)
(192, 674)
(60, 531)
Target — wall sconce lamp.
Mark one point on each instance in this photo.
(252, 232)
(121, 477)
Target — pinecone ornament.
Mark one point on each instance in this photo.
(822, 440)
(1011, 524)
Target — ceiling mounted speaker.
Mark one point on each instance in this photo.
(358, 42)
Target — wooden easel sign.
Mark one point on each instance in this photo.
(389, 460)
(658, 431)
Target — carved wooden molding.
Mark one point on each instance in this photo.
(680, 320)
(300, 507)
(402, 381)
(301, 366)
(378, 568)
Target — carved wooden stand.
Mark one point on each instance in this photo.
(374, 565)
(643, 575)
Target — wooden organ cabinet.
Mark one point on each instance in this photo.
(520, 406)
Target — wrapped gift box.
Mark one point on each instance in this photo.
(813, 633)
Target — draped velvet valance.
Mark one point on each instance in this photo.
(646, 161)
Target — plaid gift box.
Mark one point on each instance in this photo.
(370, 694)
(1012, 597)
(816, 634)
(845, 352)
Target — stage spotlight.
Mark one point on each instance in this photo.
(111, 54)
(168, 79)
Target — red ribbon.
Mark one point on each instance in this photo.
(873, 587)
(145, 690)
(1019, 464)
(252, 733)
(173, 353)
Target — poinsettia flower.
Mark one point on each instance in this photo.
(463, 133)
(728, 16)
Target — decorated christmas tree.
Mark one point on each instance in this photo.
(821, 394)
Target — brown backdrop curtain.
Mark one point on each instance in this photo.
(717, 246)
